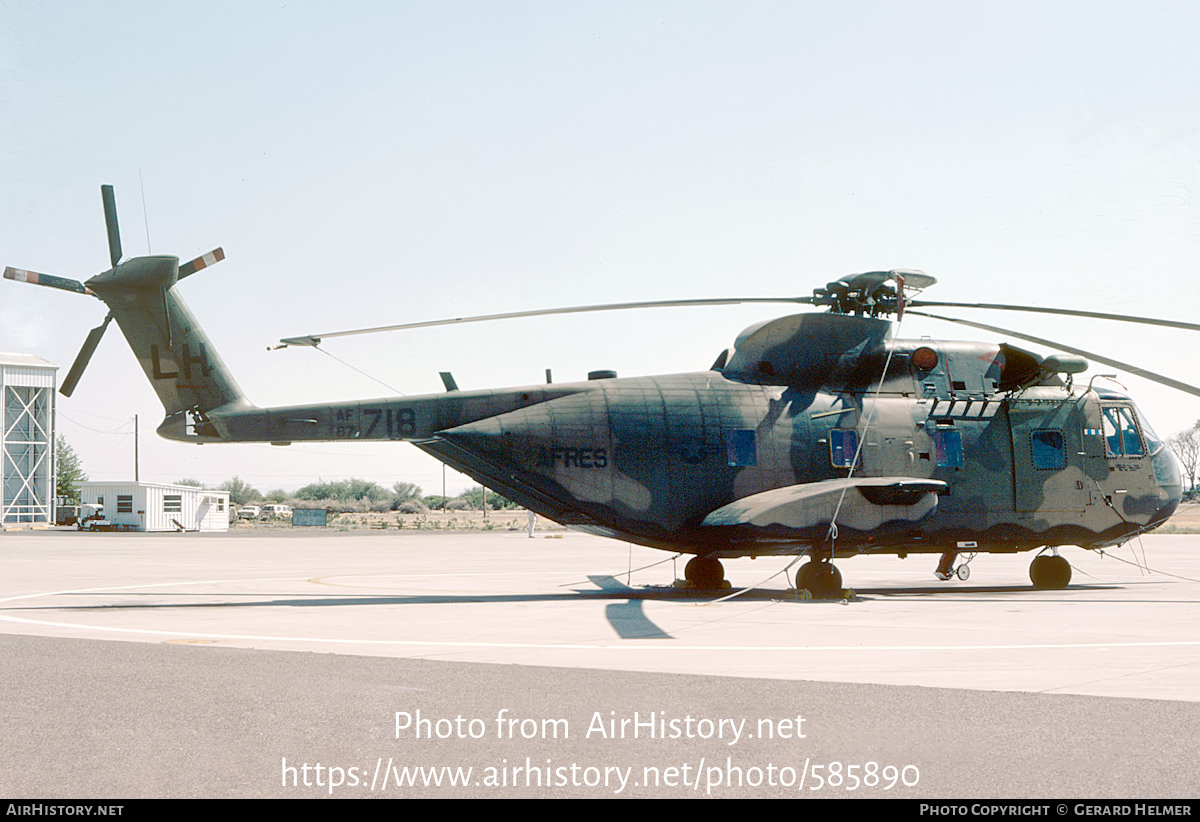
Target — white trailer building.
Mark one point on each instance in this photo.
(156, 506)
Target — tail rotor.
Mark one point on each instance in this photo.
(158, 273)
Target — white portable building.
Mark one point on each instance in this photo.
(156, 506)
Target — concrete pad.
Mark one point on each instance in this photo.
(585, 602)
(276, 665)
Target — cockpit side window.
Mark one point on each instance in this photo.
(1121, 437)
(1112, 437)
(1132, 442)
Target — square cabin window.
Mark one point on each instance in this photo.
(947, 444)
(1048, 450)
(172, 504)
(740, 448)
(843, 446)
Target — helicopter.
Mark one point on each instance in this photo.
(815, 435)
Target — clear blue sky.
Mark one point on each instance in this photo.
(372, 163)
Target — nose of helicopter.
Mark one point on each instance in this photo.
(1169, 478)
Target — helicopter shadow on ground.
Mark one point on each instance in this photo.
(972, 590)
(624, 610)
(626, 617)
(1089, 592)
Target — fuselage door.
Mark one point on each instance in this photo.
(1049, 463)
(1130, 469)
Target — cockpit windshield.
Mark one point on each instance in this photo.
(1153, 441)
(1121, 433)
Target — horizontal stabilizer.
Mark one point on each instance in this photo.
(860, 503)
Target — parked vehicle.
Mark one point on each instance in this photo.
(275, 512)
(249, 512)
(91, 518)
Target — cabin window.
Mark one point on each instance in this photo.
(1048, 449)
(124, 503)
(1120, 433)
(740, 448)
(172, 504)
(843, 446)
(947, 444)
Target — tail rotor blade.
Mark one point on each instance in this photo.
(34, 278)
(211, 258)
(110, 221)
(85, 356)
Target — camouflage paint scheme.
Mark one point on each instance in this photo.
(964, 446)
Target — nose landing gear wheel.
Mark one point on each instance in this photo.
(1050, 572)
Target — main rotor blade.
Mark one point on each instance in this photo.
(34, 278)
(84, 357)
(1066, 312)
(1124, 366)
(315, 339)
(211, 258)
(110, 222)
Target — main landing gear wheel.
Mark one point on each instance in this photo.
(704, 572)
(802, 576)
(822, 579)
(1050, 572)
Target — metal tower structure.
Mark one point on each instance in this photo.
(27, 386)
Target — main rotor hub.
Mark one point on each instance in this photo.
(872, 293)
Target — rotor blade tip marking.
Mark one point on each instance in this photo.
(211, 258)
